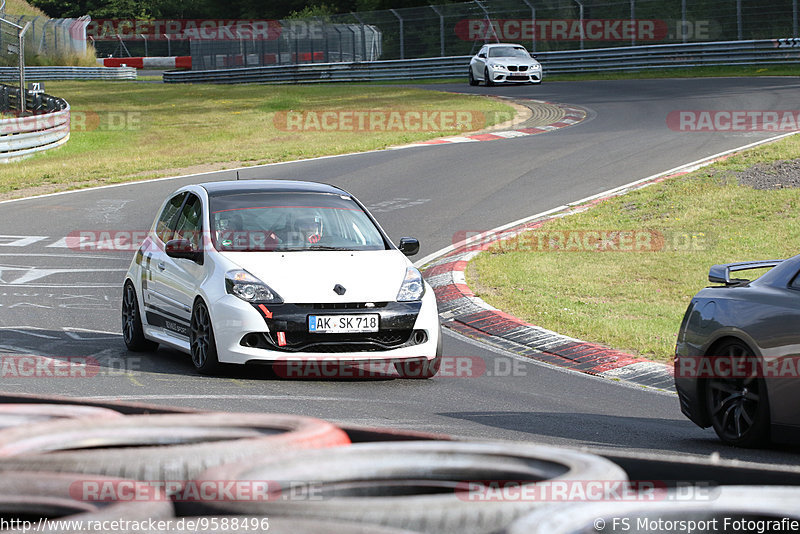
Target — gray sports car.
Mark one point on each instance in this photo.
(738, 352)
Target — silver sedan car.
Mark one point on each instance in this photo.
(737, 359)
(504, 63)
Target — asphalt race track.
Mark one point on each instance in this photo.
(55, 301)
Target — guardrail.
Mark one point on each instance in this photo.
(41, 74)
(767, 51)
(44, 125)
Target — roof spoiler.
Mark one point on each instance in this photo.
(721, 274)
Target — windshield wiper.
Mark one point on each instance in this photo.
(326, 247)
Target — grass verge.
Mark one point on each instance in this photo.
(634, 301)
(124, 131)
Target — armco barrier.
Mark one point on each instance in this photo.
(762, 52)
(41, 74)
(45, 124)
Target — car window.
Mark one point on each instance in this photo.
(291, 222)
(509, 51)
(190, 223)
(795, 284)
(165, 227)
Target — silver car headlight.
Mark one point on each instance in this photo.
(538, 66)
(247, 287)
(413, 287)
(497, 67)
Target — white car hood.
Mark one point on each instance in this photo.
(309, 277)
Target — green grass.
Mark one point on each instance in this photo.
(634, 301)
(125, 131)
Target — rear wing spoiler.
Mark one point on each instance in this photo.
(721, 274)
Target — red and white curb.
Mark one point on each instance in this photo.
(572, 116)
(174, 62)
(462, 311)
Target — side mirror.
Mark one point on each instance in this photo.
(534, 56)
(408, 246)
(482, 56)
(182, 248)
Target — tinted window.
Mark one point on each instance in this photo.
(165, 227)
(796, 282)
(291, 222)
(509, 51)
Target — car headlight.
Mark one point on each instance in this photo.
(247, 287)
(497, 67)
(413, 287)
(538, 66)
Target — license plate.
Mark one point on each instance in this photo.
(343, 324)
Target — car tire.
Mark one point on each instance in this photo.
(422, 369)
(738, 407)
(12, 414)
(202, 344)
(709, 505)
(60, 496)
(418, 485)
(472, 80)
(173, 447)
(132, 330)
(486, 78)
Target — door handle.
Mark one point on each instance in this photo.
(162, 266)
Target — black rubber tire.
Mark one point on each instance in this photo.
(720, 504)
(411, 484)
(132, 330)
(159, 447)
(279, 525)
(202, 343)
(472, 80)
(31, 496)
(420, 370)
(738, 407)
(12, 415)
(486, 78)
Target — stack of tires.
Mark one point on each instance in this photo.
(90, 469)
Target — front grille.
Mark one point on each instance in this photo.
(343, 306)
(523, 68)
(512, 68)
(336, 343)
(519, 78)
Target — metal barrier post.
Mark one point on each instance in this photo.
(441, 29)
(402, 40)
(533, 24)
(580, 16)
(22, 92)
(739, 34)
(683, 21)
(633, 23)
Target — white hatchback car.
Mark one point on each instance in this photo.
(504, 63)
(280, 272)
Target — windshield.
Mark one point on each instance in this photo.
(258, 222)
(509, 51)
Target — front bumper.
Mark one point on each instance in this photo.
(501, 76)
(279, 333)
